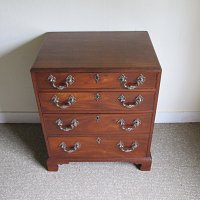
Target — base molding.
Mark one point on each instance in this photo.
(161, 117)
(142, 163)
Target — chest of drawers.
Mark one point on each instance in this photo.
(97, 94)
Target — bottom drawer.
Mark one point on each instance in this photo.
(99, 147)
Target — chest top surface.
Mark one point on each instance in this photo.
(96, 50)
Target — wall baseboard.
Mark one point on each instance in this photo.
(161, 117)
(177, 117)
(19, 117)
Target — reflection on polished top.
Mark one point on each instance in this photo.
(95, 50)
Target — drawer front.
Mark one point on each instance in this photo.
(96, 102)
(52, 81)
(98, 147)
(107, 124)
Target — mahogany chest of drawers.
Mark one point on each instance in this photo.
(97, 94)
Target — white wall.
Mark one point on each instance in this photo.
(174, 26)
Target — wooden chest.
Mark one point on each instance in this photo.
(97, 94)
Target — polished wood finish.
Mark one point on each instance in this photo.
(84, 55)
(106, 149)
(97, 124)
(86, 51)
(86, 101)
(88, 81)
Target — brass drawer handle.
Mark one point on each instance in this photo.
(68, 81)
(139, 81)
(75, 147)
(138, 100)
(134, 125)
(127, 149)
(71, 100)
(74, 123)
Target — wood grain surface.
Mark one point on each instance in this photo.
(88, 124)
(96, 50)
(87, 80)
(86, 101)
(107, 148)
(84, 55)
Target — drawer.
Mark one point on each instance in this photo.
(52, 81)
(98, 147)
(94, 102)
(107, 124)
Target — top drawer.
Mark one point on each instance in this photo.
(64, 81)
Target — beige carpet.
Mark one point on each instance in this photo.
(175, 171)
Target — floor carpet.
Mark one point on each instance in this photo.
(175, 171)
